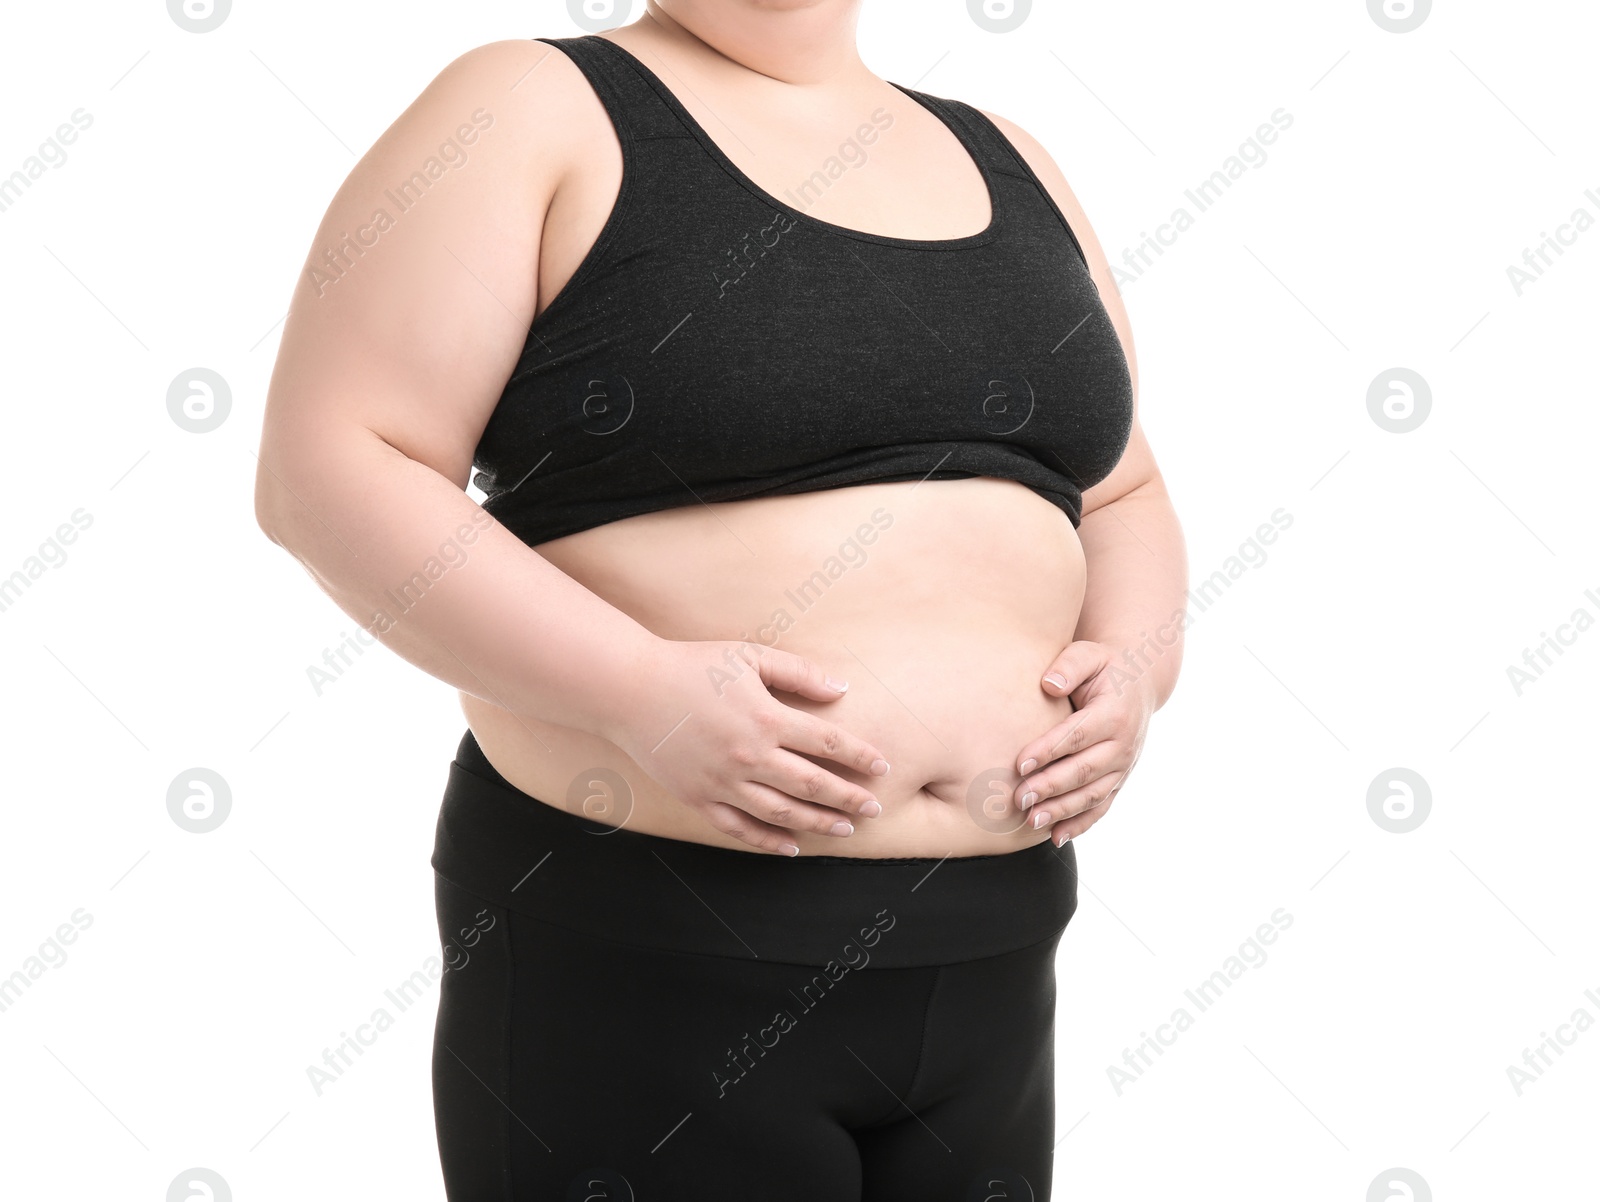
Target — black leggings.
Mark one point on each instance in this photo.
(640, 1019)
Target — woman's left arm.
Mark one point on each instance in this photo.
(1122, 664)
(1123, 661)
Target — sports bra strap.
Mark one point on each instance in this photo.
(981, 136)
(634, 105)
(640, 111)
(988, 142)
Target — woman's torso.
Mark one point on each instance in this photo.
(941, 600)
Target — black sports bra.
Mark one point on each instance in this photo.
(717, 343)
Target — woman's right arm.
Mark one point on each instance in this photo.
(408, 319)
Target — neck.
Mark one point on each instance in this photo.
(787, 40)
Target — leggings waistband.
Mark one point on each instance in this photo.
(517, 852)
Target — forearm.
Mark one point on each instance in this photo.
(1138, 579)
(422, 567)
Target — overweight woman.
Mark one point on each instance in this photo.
(822, 593)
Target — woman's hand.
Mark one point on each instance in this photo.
(703, 724)
(1071, 773)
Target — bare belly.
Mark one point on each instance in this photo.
(941, 602)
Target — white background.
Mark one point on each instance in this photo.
(1376, 634)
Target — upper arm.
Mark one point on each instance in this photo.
(1137, 467)
(415, 300)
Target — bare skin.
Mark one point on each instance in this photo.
(651, 647)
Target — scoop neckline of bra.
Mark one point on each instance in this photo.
(982, 236)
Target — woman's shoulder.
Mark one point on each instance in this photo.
(519, 109)
(523, 80)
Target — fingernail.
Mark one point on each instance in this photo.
(838, 686)
(1056, 679)
(1029, 798)
(1027, 766)
(871, 809)
(841, 829)
(880, 768)
(1061, 841)
(1039, 819)
(788, 849)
